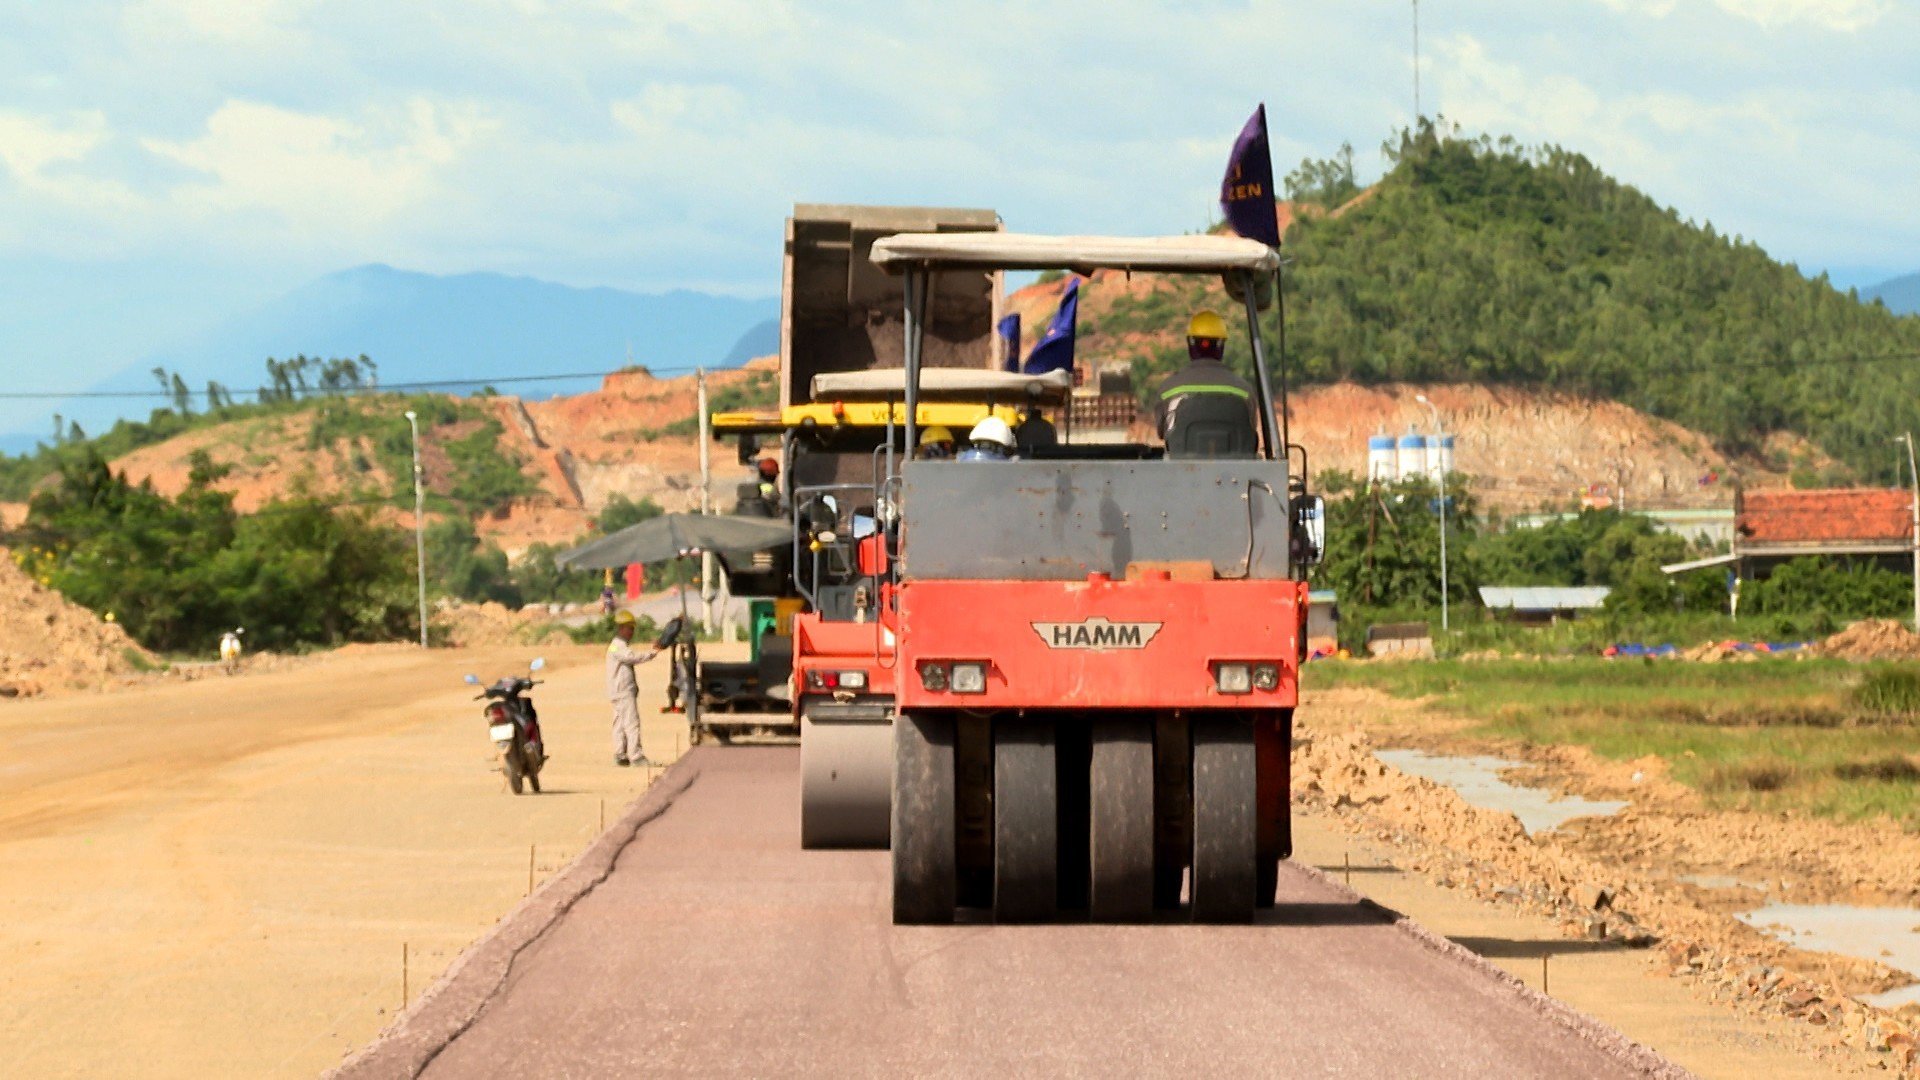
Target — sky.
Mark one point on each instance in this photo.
(164, 163)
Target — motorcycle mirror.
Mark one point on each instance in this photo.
(472, 679)
(538, 663)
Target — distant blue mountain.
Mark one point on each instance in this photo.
(424, 327)
(1901, 295)
(760, 340)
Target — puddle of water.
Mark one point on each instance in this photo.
(1722, 881)
(1887, 935)
(1477, 779)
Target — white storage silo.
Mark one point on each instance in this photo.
(1439, 456)
(1381, 466)
(1411, 461)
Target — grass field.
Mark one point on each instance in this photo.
(1821, 736)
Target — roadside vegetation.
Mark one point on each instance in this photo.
(177, 572)
(1823, 737)
(1383, 561)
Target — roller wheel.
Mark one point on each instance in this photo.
(1225, 814)
(1026, 836)
(1122, 828)
(923, 819)
(1172, 809)
(846, 783)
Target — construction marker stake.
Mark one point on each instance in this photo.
(405, 994)
(529, 869)
(1543, 973)
(1346, 860)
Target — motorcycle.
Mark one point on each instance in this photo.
(514, 726)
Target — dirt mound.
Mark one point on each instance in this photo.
(492, 624)
(1872, 639)
(48, 643)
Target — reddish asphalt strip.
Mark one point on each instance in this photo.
(697, 938)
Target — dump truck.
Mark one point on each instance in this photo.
(1094, 650)
(839, 427)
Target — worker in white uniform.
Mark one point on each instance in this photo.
(623, 690)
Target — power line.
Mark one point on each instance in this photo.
(340, 391)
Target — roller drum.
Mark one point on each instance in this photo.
(846, 783)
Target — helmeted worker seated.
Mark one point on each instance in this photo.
(990, 440)
(1035, 431)
(760, 497)
(1204, 409)
(936, 444)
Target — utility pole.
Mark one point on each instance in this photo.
(706, 495)
(419, 524)
(1416, 63)
(1915, 474)
(1442, 473)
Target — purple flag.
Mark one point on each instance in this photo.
(1054, 350)
(1246, 196)
(1010, 342)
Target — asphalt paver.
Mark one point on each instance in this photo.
(709, 943)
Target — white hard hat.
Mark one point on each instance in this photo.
(992, 430)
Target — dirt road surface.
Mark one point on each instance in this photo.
(218, 877)
(711, 944)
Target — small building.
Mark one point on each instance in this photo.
(1772, 527)
(1323, 622)
(1543, 605)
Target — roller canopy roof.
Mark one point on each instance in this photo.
(1085, 254)
(937, 384)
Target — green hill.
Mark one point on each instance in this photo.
(1489, 262)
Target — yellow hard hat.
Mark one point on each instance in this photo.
(936, 434)
(623, 618)
(1207, 324)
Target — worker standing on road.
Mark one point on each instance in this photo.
(624, 691)
(1205, 410)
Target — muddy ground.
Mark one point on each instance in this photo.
(1617, 880)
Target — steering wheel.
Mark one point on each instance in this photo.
(670, 633)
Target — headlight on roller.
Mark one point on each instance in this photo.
(933, 677)
(1233, 678)
(1266, 677)
(970, 678)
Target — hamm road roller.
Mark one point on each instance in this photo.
(1094, 649)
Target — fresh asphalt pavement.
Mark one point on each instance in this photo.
(707, 942)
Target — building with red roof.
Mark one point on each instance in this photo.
(1838, 521)
(1770, 527)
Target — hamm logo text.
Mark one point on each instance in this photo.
(1097, 634)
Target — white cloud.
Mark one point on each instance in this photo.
(316, 174)
(252, 23)
(30, 144)
(1843, 16)
(1658, 9)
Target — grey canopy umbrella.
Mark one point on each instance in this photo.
(671, 536)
